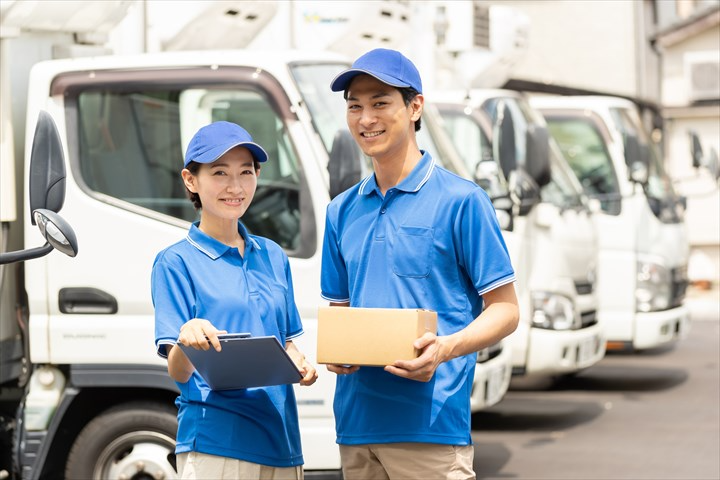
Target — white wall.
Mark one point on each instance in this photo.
(587, 44)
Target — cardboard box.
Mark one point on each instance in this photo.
(371, 336)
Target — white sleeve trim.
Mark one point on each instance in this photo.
(498, 283)
(335, 300)
(290, 337)
(160, 350)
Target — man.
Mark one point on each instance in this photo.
(412, 235)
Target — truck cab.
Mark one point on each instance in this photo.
(644, 248)
(553, 243)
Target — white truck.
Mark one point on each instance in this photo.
(552, 236)
(644, 249)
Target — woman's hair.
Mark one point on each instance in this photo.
(194, 168)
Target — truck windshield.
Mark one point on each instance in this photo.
(586, 153)
(477, 152)
(327, 108)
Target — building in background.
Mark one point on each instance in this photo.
(663, 54)
(688, 38)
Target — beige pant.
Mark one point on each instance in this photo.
(394, 461)
(201, 466)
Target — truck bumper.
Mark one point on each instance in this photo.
(553, 352)
(491, 381)
(655, 329)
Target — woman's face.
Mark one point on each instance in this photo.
(226, 186)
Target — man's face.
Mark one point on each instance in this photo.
(378, 118)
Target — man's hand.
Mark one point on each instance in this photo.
(197, 332)
(433, 353)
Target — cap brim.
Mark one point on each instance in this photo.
(213, 154)
(342, 81)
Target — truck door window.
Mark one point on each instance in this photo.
(131, 146)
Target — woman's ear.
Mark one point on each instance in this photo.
(257, 171)
(189, 180)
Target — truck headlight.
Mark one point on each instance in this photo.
(654, 287)
(554, 312)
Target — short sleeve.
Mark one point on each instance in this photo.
(172, 296)
(483, 252)
(333, 274)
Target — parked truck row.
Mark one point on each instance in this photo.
(594, 231)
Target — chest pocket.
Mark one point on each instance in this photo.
(412, 251)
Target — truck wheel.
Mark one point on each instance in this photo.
(133, 441)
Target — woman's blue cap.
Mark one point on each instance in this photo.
(388, 66)
(215, 140)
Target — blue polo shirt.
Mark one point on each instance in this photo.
(200, 277)
(431, 242)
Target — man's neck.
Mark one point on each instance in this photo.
(390, 171)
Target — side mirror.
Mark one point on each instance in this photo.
(636, 159)
(47, 167)
(58, 234)
(504, 148)
(47, 194)
(345, 163)
(696, 150)
(712, 164)
(524, 190)
(537, 143)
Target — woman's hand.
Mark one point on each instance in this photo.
(197, 333)
(200, 334)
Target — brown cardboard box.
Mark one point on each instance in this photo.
(371, 336)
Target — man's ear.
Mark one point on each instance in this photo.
(189, 180)
(417, 104)
(257, 171)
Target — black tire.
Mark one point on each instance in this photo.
(134, 441)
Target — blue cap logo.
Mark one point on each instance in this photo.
(214, 140)
(388, 66)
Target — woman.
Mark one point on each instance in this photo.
(221, 279)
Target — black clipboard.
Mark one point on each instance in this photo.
(244, 362)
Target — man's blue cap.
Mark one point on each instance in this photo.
(388, 66)
(215, 140)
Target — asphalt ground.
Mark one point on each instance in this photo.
(647, 415)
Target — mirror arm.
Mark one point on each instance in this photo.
(22, 255)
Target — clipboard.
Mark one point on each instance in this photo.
(244, 362)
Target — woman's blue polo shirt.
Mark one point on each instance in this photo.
(431, 242)
(200, 277)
